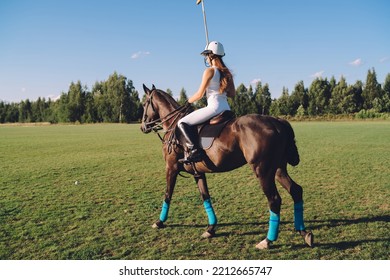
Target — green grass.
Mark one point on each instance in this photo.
(344, 171)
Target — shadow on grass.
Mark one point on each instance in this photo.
(345, 244)
(232, 228)
(318, 224)
(229, 229)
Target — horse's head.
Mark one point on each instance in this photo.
(150, 115)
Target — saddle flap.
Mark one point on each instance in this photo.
(212, 129)
(209, 130)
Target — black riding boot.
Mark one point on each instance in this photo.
(194, 151)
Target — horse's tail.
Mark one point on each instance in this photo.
(291, 153)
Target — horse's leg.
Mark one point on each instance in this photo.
(296, 193)
(204, 192)
(171, 176)
(267, 181)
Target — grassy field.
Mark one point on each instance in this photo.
(108, 214)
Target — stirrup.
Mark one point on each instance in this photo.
(194, 156)
(184, 161)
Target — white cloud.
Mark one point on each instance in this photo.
(384, 59)
(139, 54)
(317, 74)
(256, 81)
(53, 97)
(357, 62)
(23, 89)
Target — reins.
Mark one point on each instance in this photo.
(157, 124)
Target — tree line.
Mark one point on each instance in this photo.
(323, 98)
(116, 101)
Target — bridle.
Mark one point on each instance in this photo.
(157, 124)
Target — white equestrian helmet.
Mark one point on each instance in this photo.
(214, 47)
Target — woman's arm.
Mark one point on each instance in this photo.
(207, 76)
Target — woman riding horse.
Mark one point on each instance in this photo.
(266, 143)
(217, 83)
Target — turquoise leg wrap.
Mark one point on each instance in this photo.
(210, 212)
(273, 230)
(164, 212)
(298, 216)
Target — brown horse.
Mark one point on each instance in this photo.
(267, 144)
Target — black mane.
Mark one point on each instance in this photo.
(169, 98)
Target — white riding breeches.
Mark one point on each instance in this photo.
(216, 104)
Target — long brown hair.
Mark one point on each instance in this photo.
(226, 75)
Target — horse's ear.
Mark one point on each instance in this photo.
(146, 90)
(153, 87)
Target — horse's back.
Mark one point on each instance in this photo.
(252, 139)
(265, 138)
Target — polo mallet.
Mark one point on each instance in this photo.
(204, 21)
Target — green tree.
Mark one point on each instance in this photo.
(100, 100)
(284, 103)
(372, 90)
(9, 112)
(3, 112)
(243, 102)
(357, 95)
(299, 97)
(90, 112)
(319, 95)
(76, 102)
(332, 84)
(40, 110)
(25, 111)
(347, 104)
(301, 111)
(338, 94)
(118, 90)
(135, 107)
(386, 93)
(263, 99)
(63, 114)
(182, 97)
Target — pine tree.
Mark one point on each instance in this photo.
(299, 97)
(371, 90)
(284, 103)
(183, 97)
(263, 99)
(386, 94)
(76, 102)
(25, 111)
(338, 94)
(319, 95)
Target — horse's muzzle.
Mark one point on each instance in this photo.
(145, 129)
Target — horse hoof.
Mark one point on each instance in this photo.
(263, 245)
(309, 239)
(158, 224)
(208, 234)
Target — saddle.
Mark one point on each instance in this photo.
(211, 129)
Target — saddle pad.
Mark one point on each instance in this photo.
(207, 134)
(206, 142)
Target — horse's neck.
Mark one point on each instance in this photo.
(164, 109)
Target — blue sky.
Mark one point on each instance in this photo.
(45, 45)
